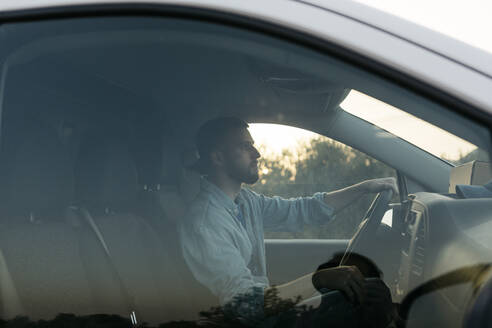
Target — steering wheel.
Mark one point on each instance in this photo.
(364, 234)
(369, 225)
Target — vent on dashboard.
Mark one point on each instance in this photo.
(413, 254)
(419, 247)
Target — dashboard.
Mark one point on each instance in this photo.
(440, 234)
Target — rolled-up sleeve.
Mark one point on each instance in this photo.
(214, 257)
(291, 214)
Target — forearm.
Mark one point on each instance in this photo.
(339, 199)
(301, 287)
(347, 279)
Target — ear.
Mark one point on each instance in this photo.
(217, 158)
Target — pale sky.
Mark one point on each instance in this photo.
(468, 21)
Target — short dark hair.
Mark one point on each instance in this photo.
(213, 133)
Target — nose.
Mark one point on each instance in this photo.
(256, 153)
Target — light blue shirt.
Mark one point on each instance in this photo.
(227, 256)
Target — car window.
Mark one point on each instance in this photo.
(307, 163)
(431, 138)
(128, 176)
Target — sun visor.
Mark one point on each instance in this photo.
(291, 86)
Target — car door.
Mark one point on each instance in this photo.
(100, 108)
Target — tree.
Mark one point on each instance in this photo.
(323, 165)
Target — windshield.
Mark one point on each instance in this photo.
(423, 134)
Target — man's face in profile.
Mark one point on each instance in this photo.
(241, 157)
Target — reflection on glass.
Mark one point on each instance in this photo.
(97, 171)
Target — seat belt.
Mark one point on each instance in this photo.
(476, 274)
(87, 220)
(11, 305)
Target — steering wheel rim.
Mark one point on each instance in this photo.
(370, 222)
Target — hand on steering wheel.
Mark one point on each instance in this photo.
(347, 279)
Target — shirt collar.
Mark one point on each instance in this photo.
(220, 195)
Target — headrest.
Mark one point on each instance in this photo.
(176, 194)
(471, 173)
(189, 178)
(40, 182)
(106, 175)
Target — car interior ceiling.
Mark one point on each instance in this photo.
(67, 218)
(279, 103)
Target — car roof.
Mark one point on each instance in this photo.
(444, 45)
(434, 41)
(449, 65)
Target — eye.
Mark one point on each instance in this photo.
(246, 146)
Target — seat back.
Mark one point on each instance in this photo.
(40, 248)
(107, 182)
(174, 199)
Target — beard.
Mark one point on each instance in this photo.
(248, 175)
(252, 177)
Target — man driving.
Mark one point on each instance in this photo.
(222, 235)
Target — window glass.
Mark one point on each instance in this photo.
(107, 213)
(297, 163)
